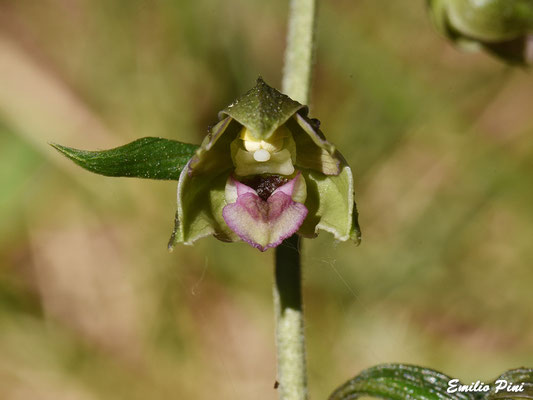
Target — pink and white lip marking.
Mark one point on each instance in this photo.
(264, 223)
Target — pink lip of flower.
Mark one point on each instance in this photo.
(264, 223)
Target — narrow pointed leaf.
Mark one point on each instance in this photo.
(399, 382)
(149, 158)
(513, 377)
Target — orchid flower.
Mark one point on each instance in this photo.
(263, 173)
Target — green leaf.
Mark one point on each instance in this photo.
(149, 157)
(513, 377)
(262, 110)
(399, 382)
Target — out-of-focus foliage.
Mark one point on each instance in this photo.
(93, 307)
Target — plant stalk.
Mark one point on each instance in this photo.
(290, 337)
(299, 54)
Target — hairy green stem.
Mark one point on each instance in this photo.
(290, 338)
(300, 50)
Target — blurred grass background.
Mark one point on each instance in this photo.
(93, 307)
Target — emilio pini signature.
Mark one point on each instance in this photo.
(501, 385)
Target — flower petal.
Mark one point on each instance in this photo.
(313, 151)
(213, 156)
(265, 224)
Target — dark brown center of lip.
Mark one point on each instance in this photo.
(265, 185)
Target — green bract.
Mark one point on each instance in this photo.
(502, 27)
(263, 172)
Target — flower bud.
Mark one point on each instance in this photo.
(501, 27)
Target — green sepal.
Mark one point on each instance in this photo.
(331, 206)
(262, 110)
(313, 150)
(399, 382)
(200, 200)
(149, 158)
(214, 153)
(515, 376)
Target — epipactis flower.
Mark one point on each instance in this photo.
(263, 173)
